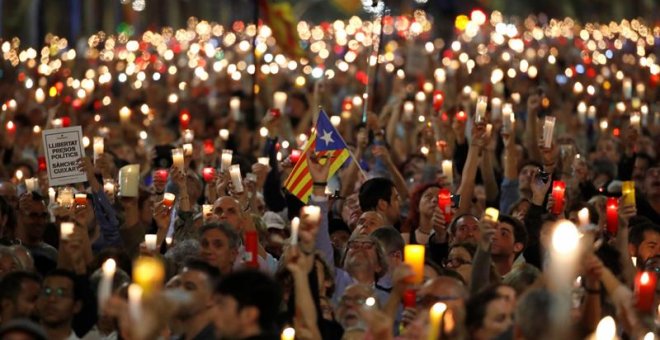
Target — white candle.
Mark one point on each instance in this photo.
(235, 107)
(168, 199)
(495, 108)
(288, 333)
(583, 217)
(80, 199)
(635, 120)
(188, 136)
(32, 184)
(39, 96)
(177, 158)
(335, 121)
(207, 210)
(279, 100)
(235, 173)
(129, 180)
(420, 97)
(295, 224)
(548, 131)
(263, 160)
(311, 213)
(65, 197)
(134, 301)
(480, 114)
(187, 149)
(516, 97)
(66, 230)
(98, 147)
(51, 195)
(224, 134)
(591, 113)
(408, 109)
(124, 115)
(489, 129)
(225, 160)
(627, 88)
(440, 77)
(150, 241)
(640, 89)
(109, 188)
(448, 170)
(507, 118)
(492, 214)
(105, 285)
(263, 132)
(582, 112)
(606, 329)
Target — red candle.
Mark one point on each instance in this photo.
(41, 160)
(409, 298)
(612, 215)
(11, 127)
(251, 256)
(444, 203)
(66, 121)
(275, 113)
(208, 173)
(161, 175)
(295, 156)
(558, 190)
(438, 99)
(184, 119)
(645, 283)
(461, 116)
(347, 105)
(209, 147)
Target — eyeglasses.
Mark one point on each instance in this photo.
(355, 300)
(366, 245)
(57, 292)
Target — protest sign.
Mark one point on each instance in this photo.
(63, 148)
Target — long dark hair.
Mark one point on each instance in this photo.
(412, 222)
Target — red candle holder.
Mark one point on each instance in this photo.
(66, 121)
(558, 191)
(461, 116)
(438, 99)
(251, 249)
(645, 283)
(612, 207)
(295, 156)
(275, 113)
(208, 173)
(184, 119)
(444, 203)
(41, 160)
(209, 146)
(409, 298)
(161, 174)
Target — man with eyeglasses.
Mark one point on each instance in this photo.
(364, 262)
(32, 222)
(347, 310)
(58, 303)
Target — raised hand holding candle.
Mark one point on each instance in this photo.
(168, 199)
(492, 215)
(129, 180)
(480, 113)
(177, 158)
(612, 214)
(225, 159)
(548, 131)
(150, 241)
(279, 100)
(81, 199)
(207, 210)
(66, 230)
(628, 192)
(444, 203)
(295, 225)
(98, 147)
(435, 320)
(645, 284)
(236, 178)
(448, 170)
(105, 284)
(413, 255)
(558, 190)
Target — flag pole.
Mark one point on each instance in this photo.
(253, 117)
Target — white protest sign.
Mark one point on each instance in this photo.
(63, 148)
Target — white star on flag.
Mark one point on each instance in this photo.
(327, 137)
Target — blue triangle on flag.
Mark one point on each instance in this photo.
(327, 137)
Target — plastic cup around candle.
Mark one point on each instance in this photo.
(168, 199)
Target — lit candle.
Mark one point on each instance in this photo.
(109, 188)
(612, 215)
(420, 97)
(168, 199)
(224, 134)
(187, 149)
(627, 88)
(129, 180)
(489, 130)
(491, 214)
(606, 329)
(263, 132)
(583, 217)
(150, 241)
(516, 97)
(148, 273)
(188, 136)
(288, 334)
(98, 147)
(435, 319)
(11, 127)
(311, 214)
(279, 100)
(208, 173)
(235, 107)
(438, 99)
(635, 120)
(65, 197)
(263, 160)
(207, 210)
(135, 302)
(480, 113)
(645, 283)
(640, 89)
(105, 284)
(184, 119)
(161, 174)
(32, 184)
(225, 160)
(81, 199)
(495, 108)
(558, 190)
(39, 96)
(591, 113)
(41, 161)
(548, 131)
(440, 77)
(335, 121)
(444, 203)
(124, 115)
(177, 158)
(51, 195)
(413, 255)
(628, 192)
(251, 255)
(295, 225)
(448, 170)
(408, 109)
(461, 116)
(236, 179)
(507, 118)
(209, 146)
(66, 230)
(582, 112)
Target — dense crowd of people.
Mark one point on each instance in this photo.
(450, 220)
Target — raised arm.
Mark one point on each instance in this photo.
(466, 189)
(531, 127)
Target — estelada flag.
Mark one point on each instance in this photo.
(279, 17)
(329, 146)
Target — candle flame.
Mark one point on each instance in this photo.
(109, 266)
(606, 329)
(565, 237)
(644, 279)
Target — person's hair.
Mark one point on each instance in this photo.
(522, 278)
(390, 239)
(177, 255)
(637, 232)
(252, 288)
(469, 247)
(373, 190)
(7, 210)
(412, 222)
(517, 204)
(380, 254)
(8, 252)
(454, 221)
(231, 234)
(477, 306)
(10, 286)
(67, 274)
(529, 163)
(211, 272)
(533, 315)
(645, 157)
(519, 231)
